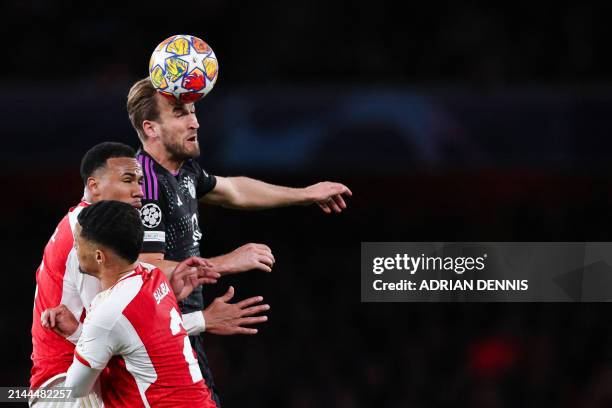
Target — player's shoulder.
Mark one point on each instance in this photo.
(73, 213)
(148, 163)
(205, 180)
(62, 237)
(109, 305)
(194, 167)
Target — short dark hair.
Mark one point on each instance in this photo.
(115, 225)
(97, 156)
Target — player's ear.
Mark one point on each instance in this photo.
(99, 257)
(150, 128)
(92, 185)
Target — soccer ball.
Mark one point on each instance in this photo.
(183, 68)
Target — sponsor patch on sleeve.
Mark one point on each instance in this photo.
(154, 236)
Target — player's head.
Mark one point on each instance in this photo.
(159, 121)
(108, 234)
(111, 172)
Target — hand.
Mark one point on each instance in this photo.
(245, 258)
(59, 319)
(228, 318)
(328, 196)
(191, 273)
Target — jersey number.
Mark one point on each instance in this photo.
(175, 327)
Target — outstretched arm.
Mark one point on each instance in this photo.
(180, 274)
(250, 194)
(245, 258)
(189, 274)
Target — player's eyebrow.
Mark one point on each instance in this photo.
(128, 173)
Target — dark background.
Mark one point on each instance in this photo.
(449, 122)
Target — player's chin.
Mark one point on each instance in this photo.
(192, 149)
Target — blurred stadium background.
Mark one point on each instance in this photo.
(448, 122)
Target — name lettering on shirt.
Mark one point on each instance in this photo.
(161, 292)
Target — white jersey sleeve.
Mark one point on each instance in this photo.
(81, 378)
(96, 345)
(82, 287)
(194, 323)
(79, 289)
(106, 330)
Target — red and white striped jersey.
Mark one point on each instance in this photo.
(135, 329)
(58, 281)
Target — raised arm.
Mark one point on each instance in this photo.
(250, 194)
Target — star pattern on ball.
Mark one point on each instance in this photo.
(183, 66)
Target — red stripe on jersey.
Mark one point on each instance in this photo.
(81, 359)
(127, 395)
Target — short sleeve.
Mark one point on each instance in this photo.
(205, 182)
(153, 208)
(152, 217)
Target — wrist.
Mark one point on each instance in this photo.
(74, 337)
(209, 323)
(304, 196)
(220, 265)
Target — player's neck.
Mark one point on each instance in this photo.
(112, 274)
(87, 195)
(161, 156)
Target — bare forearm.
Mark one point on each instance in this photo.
(264, 195)
(251, 194)
(220, 264)
(245, 258)
(166, 266)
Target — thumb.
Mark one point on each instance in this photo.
(228, 295)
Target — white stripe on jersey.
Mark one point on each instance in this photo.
(73, 217)
(96, 344)
(137, 361)
(76, 284)
(78, 289)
